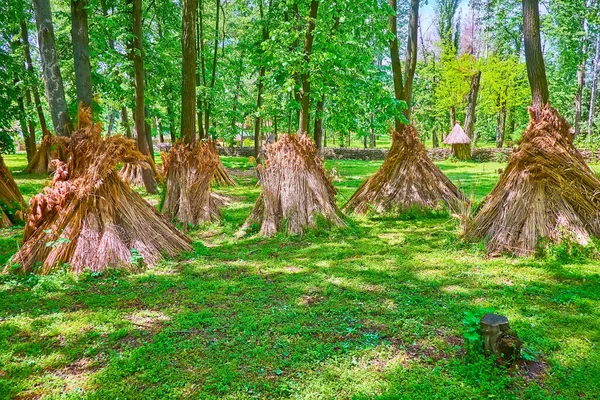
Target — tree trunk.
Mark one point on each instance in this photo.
(55, 92)
(510, 130)
(171, 125)
(434, 139)
(148, 131)
(25, 125)
(579, 97)
(258, 120)
(305, 76)
(501, 126)
(452, 117)
(33, 82)
(594, 92)
(395, 60)
(536, 70)
(110, 122)
(261, 77)
(30, 125)
(188, 72)
(411, 55)
(81, 53)
(125, 122)
(372, 139)
(161, 137)
(318, 132)
(208, 103)
(201, 56)
(470, 118)
(235, 100)
(139, 112)
(403, 87)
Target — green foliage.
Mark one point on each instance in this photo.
(472, 327)
(136, 258)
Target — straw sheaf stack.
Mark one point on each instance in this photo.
(407, 179)
(546, 191)
(221, 176)
(12, 205)
(189, 171)
(295, 189)
(89, 218)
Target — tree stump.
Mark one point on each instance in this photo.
(499, 340)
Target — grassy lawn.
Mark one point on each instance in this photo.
(374, 310)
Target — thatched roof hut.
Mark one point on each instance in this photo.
(461, 143)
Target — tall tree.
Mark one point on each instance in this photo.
(213, 75)
(472, 105)
(188, 72)
(31, 75)
(261, 80)
(305, 75)
(403, 84)
(536, 70)
(137, 53)
(407, 178)
(594, 91)
(55, 92)
(81, 52)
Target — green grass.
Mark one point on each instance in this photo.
(371, 311)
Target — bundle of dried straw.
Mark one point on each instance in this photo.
(295, 188)
(407, 179)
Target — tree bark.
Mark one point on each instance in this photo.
(81, 53)
(318, 131)
(148, 130)
(411, 55)
(33, 82)
(161, 137)
(110, 122)
(261, 78)
(172, 132)
(26, 126)
(403, 85)
(470, 117)
(536, 70)
(501, 125)
(235, 101)
(125, 122)
(594, 92)
(55, 92)
(208, 103)
(579, 98)
(259, 103)
(435, 142)
(372, 139)
(305, 75)
(30, 126)
(139, 112)
(188, 71)
(201, 56)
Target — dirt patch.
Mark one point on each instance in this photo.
(309, 300)
(530, 369)
(148, 320)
